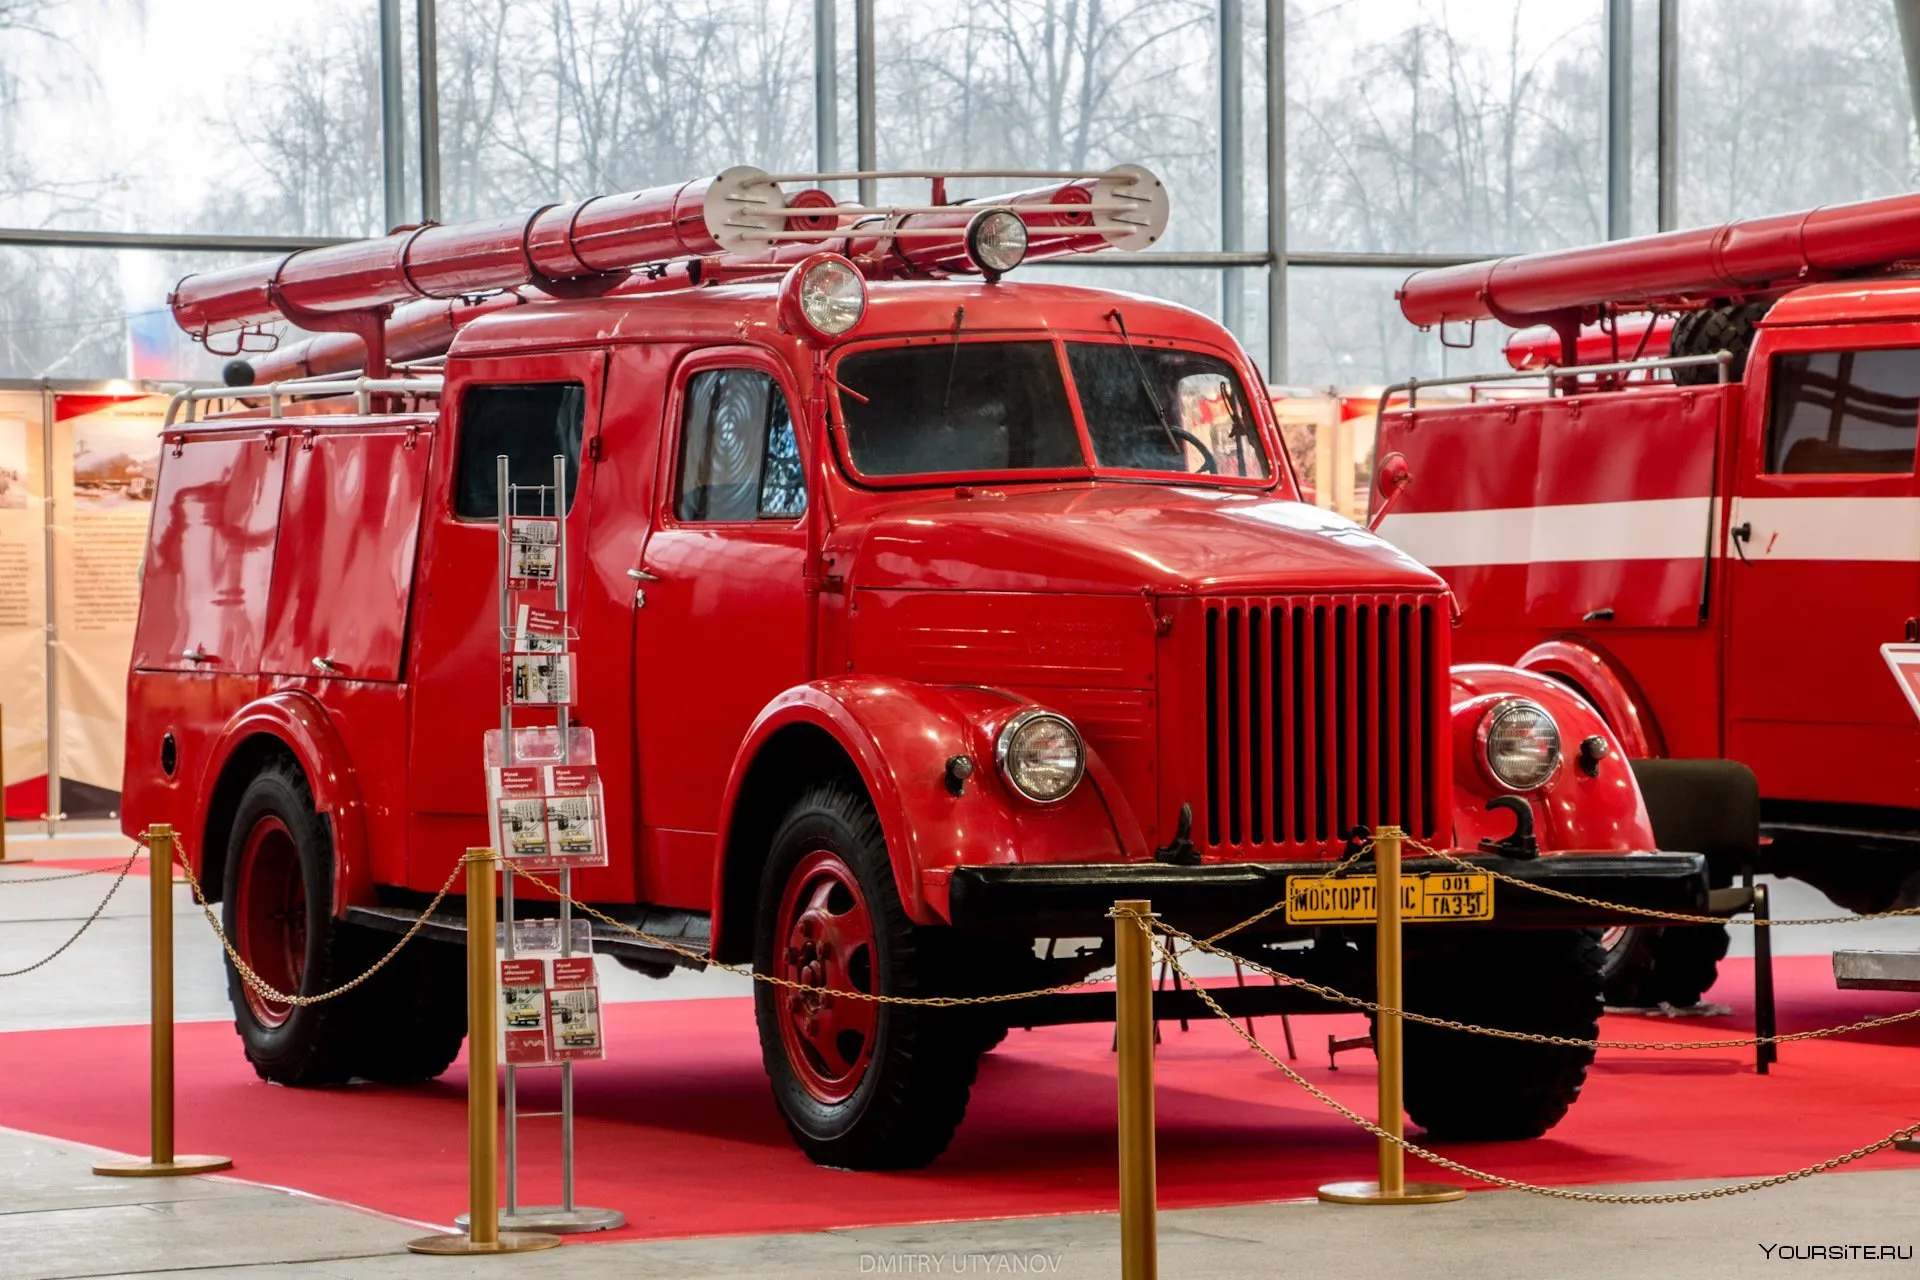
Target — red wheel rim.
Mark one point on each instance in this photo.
(825, 939)
(271, 914)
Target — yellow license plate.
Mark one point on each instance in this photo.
(1437, 895)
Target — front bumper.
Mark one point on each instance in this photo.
(1072, 900)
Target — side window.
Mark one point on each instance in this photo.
(1844, 412)
(739, 459)
(530, 422)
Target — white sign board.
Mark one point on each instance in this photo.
(1904, 661)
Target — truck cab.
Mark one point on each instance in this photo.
(921, 614)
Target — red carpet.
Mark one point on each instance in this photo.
(678, 1129)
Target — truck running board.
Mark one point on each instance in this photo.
(687, 928)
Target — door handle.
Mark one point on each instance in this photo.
(1742, 534)
(325, 666)
(197, 654)
(641, 575)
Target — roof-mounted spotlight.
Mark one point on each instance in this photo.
(823, 298)
(996, 242)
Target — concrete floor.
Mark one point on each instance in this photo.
(58, 1220)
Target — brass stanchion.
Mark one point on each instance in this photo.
(483, 1233)
(163, 1163)
(1133, 1033)
(1392, 1188)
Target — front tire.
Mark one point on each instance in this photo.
(1481, 1088)
(861, 1085)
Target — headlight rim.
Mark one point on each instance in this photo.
(1499, 711)
(976, 233)
(1003, 747)
(794, 316)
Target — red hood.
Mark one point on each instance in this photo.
(1123, 538)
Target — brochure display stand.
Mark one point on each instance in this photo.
(546, 812)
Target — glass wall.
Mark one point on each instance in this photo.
(1412, 127)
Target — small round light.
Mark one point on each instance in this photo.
(1520, 743)
(833, 297)
(997, 241)
(1040, 756)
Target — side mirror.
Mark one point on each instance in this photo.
(1391, 476)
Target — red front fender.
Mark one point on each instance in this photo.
(1574, 811)
(898, 735)
(299, 723)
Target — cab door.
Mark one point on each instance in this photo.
(1823, 566)
(722, 627)
(530, 408)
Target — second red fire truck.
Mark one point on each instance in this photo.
(1710, 546)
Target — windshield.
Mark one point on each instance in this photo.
(1152, 409)
(946, 407)
(958, 407)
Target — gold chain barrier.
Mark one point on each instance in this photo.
(162, 1160)
(1514, 1184)
(1134, 950)
(86, 924)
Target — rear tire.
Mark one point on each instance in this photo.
(416, 1015)
(1652, 965)
(277, 909)
(861, 1085)
(1473, 1087)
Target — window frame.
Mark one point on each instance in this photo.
(703, 360)
(1774, 342)
(586, 367)
(842, 447)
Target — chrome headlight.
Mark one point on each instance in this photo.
(1040, 755)
(823, 297)
(1520, 744)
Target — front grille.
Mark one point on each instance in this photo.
(1323, 714)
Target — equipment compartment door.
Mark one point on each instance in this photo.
(342, 580)
(216, 516)
(724, 627)
(1823, 566)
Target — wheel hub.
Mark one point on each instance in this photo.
(827, 944)
(270, 914)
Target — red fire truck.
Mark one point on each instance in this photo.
(1710, 546)
(921, 615)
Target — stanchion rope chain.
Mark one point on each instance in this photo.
(86, 924)
(261, 987)
(1682, 917)
(1514, 1184)
(1529, 1037)
(69, 875)
(747, 971)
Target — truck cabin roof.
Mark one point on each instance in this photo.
(747, 312)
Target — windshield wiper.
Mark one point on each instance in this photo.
(953, 362)
(1146, 383)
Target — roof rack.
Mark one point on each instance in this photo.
(277, 393)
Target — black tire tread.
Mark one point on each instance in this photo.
(927, 1062)
(319, 1041)
(1672, 964)
(1479, 1088)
